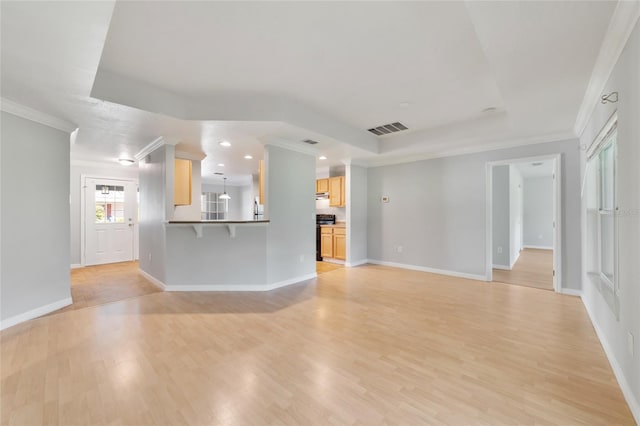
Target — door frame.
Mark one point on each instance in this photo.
(83, 178)
(557, 214)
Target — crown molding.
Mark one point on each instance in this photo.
(199, 156)
(620, 27)
(24, 111)
(152, 146)
(511, 143)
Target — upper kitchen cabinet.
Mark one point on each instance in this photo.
(182, 182)
(322, 185)
(261, 182)
(337, 192)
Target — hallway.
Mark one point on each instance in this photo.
(534, 268)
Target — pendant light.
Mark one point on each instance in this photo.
(225, 196)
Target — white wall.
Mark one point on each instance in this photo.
(290, 207)
(77, 170)
(515, 214)
(437, 210)
(613, 332)
(35, 245)
(156, 205)
(538, 212)
(356, 187)
(501, 217)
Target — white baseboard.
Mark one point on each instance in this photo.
(515, 260)
(240, 287)
(76, 265)
(634, 404)
(504, 267)
(34, 313)
(357, 263)
(336, 261)
(427, 269)
(538, 247)
(153, 280)
(571, 292)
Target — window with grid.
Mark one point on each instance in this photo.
(212, 207)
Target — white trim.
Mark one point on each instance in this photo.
(475, 148)
(620, 28)
(24, 111)
(199, 156)
(571, 292)
(240, 287)
(537, 247)
(77, 265)
(634, 404)
(357, 263)
(557, 213)
(503, 267)
(153, 280)
(332, 260)
(152, 146)
(427, 269)
(515, 260)
(35, 313)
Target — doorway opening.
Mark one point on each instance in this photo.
(109, 231)
(523, 229)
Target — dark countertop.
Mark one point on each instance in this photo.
(222, 222)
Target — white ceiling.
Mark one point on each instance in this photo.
(258, 72)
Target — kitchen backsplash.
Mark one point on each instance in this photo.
(322, 207)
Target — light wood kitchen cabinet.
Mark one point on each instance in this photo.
(333, 243)
(326, 242)
(340, 243)
(182, 182)
(336, 191)
(261, 182)
(322, 185)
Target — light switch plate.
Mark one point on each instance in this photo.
(630, 343)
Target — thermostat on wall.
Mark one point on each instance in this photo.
(385, 199)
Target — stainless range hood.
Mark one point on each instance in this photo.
(322, 195)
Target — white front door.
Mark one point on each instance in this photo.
(110, 220)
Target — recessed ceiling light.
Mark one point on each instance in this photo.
(248, 157)
(126, 161)
(226, 144)
(220, 164)
(322, 157)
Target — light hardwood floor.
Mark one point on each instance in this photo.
(366, 345)
(534, 268)
(97, 285)
(322, 267)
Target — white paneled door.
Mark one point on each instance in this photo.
(110, 222)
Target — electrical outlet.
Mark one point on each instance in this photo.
(499, 250)
(399, 249)
(630, 343)
(149, 256)
(301, 258)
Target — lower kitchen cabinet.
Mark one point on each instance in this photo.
(339, 243)
(333, 243)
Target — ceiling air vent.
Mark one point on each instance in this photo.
(310, 141)
(388, 128)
